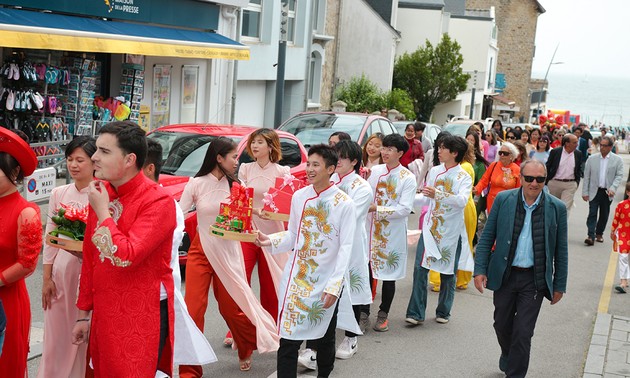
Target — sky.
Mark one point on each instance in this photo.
(591, 35)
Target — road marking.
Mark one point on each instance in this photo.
(604, 299)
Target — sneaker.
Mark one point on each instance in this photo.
(441, 320)
(364, 322)
(414, 321)
(381, 322)
(308, 359)
(347, 348)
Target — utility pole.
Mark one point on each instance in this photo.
(472, 97)
(282, 54)
(542, 86)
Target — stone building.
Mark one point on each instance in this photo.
(516, 21)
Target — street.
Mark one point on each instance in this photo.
(466, 346)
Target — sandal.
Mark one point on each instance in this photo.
(228, 340)
(245, 364)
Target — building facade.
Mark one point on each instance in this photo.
(516, 20)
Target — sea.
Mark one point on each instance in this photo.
(598, 100)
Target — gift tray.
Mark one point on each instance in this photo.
(63, 243)
(232, 235)
(276, 216)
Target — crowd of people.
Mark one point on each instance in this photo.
(116, 308)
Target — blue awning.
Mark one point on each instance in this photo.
(38, 30)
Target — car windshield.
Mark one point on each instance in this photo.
(456, 128)
(183, 153)
(315, 128)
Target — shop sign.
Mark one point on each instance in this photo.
(40, 184)
(186, 13)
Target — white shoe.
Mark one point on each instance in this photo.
(308, 359)
(441, 320)
(347, 348)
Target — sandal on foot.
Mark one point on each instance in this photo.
(228, 340)
(245, 364)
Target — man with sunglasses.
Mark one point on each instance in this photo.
(603, 173)
(564, 170)
(529, 262)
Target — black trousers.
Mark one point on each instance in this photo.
(163, 327)
(596, 225)
(288, 352)
(516, 307)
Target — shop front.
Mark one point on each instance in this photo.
(69, 67)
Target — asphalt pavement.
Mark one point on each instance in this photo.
(585, 334)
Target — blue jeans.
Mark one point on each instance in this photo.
(418, 301)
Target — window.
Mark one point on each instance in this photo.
(315, 77)
(291, 6)
(252, 19)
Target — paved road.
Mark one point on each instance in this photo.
(466, 346)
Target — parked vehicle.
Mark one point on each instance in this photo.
(431, 131)
(460, 126)
(315, 127)
(184, 148)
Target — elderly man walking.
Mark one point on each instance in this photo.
(529, 262)
(565, 168)
(603, 173)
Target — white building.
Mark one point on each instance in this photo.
(474, 30)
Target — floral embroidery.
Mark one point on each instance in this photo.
(104, 242)
(115, 209)
(29, 241)
(314, 229)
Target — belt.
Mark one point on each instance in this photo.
(564, 180)
(602, 189)
(519, 269)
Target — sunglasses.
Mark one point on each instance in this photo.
(605, 145)
(539, 179)
(511, 137)
(504, 153)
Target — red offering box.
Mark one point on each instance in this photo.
(288, 185)
(234, 221)
(277, 200)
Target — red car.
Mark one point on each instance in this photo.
(184, 148)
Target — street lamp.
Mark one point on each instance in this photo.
(542, 86)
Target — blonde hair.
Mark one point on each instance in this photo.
(273, 141)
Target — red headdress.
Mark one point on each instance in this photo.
(15, 146)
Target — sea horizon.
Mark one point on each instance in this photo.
(597, 99)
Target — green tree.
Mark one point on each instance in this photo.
(431, 75)
(360, 94)
(400, 100)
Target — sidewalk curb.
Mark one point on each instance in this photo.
(596, 357)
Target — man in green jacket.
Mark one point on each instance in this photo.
(529, 262)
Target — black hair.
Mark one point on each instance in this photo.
(220, 146)
(436, 143)
(397, 141)
(477, 147)
(130, 138)
(341, 135)
(84, 142)
(326, 152)
(456, 143)
(154, 156)
(348, 149)
(8, 165)
(419, 126)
